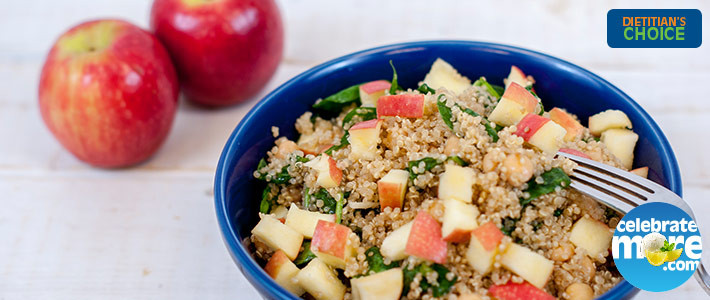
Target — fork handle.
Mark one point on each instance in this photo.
(703, 278)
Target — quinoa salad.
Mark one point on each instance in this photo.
(452, 190)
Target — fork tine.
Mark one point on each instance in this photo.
(649, 186)
(592, 191)
(612, 182)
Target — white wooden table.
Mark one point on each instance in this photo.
(68, 231)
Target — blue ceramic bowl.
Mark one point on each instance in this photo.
(559, 83)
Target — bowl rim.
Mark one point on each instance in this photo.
(255, 273)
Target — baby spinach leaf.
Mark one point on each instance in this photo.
(365, 114)
(429, 163)
(440, 289)
(395, 86)
(336, 102)
(499, 89)
(552, 179)
(491, 90)
(265, 205)
(445, 111)
(282, 177)
(339, 208)
(376, 262)
(329, 203)
(305, 256)
(343, 142)
(424, 89)
(457, 160)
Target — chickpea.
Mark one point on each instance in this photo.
(452, 146)
(518, 168)
(563, 252)
(588, 268)
(579, 291)
(285, 148)
(489, 162)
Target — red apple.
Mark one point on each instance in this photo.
(405, 105)
(488, 235)
(425, 239)
(518, 291)
(373, 90)
(575, 152)
(331, 243)
(225, 51)
(541, 132)
(529, 125)
(391, 189)
(108, 92)
(574, 129)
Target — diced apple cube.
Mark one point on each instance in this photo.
(385, 285)
(280, 212)
(332, 243)
(621, 143)
(608, 119)
(395, 243)
(308, 143)
(574, 129)
(283, 271)
(277, 236)
(404, 105)
(456, 183)
(527, 264)
(320, 281)
(591, 235)
(643, 172)
(304, 222)
(483, 247)
(519, 291)
(541, 133)
(364, 137)
(392, 187)
(425, 239)
(516, 75)
(459, 221)
(329, 175)
(442, 74)
(373, 90)
(515, 104)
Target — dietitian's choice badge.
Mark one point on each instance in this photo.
(654, 28)
(656, 247)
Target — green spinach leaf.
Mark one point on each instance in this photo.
(491, 90)
(305, 256)
(429, 163)
(329, 203)
(336, 102)
(424, 89)
(376, 262)
(445, 111)
(343, 142)
(552, 179)
(443, 284)
(339, 208)
(365, 114)
(395, 86)
(457, 160)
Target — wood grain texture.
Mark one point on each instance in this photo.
(69, 231)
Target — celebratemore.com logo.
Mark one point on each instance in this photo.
(654, 28)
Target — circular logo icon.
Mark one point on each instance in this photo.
(656, 247)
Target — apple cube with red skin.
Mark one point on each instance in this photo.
(364, 137)
(425, 239)
(575, 152)
(591, 235)
(278, 236)
(320, 281)
(391, 189)
(456, 183)
(621, 143)
(541, 133)
(329, 175)
(395, 244)
(516, 75)
(373, 90)
(608, 119)
(515, 104)
(643, 172)
(459, 221)
(443, 75)
(404, 105)
(483, 247)
(304, 222)
(385, 285)
(527, 264)
(282, 270)
(574, 129)
(332, 243)
(518, 291)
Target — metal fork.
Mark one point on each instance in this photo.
(623, 191)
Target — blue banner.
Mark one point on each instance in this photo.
(654, 28)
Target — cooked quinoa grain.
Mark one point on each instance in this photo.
(518, 193)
